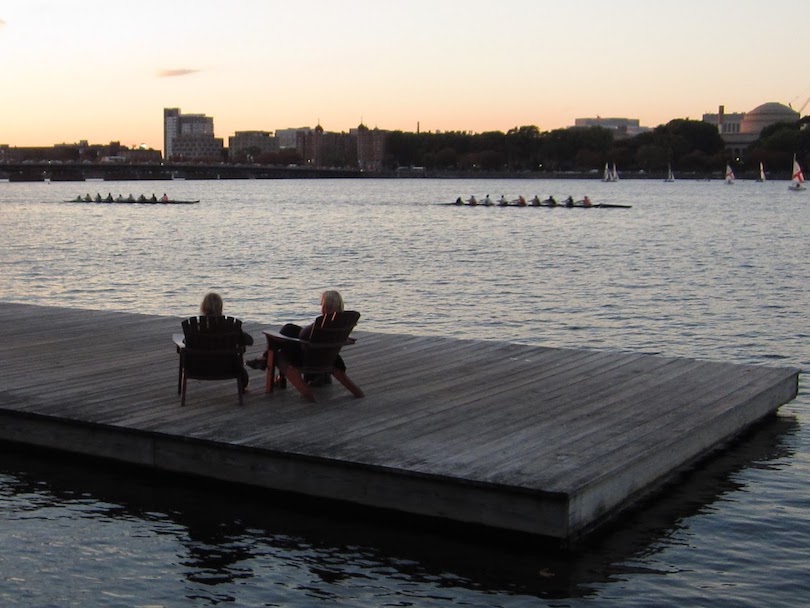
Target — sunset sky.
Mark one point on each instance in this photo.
(104, 71)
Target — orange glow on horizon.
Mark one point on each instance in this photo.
(107, 72)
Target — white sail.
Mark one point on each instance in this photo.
(761, 173)
(610, 175)
(729, 174)
(670, 174)
(797, 177)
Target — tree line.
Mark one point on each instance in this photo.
(686, 145)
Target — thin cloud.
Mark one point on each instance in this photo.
(177, 72)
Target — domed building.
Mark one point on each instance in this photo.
(766, 115)
(740, 130)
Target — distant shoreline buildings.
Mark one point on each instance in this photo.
(621, 127)
(740, 129)
(191, 138)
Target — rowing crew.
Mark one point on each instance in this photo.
(130, 199)
(521, 202)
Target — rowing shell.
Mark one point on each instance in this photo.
(547, 205)
(147, 202)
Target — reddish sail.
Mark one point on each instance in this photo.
(797, 179)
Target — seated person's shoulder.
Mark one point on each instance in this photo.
(306, 332)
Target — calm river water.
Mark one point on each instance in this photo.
(695, 269)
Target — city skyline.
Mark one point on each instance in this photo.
(102, 72)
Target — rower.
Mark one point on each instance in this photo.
(487, 201)
(164, 198)
(473, 201)
(536, 201)
(551, 201)
(569, 202)
(502, 202)
(586, 202)
(459, 201)
(521, 201)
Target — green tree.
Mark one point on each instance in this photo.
(652, 157)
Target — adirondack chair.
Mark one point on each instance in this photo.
(297, 359)
(210, 348)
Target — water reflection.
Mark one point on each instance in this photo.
(230, 544)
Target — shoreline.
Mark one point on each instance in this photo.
(18, 172)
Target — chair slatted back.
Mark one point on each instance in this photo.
(329, 335)
(214, 348)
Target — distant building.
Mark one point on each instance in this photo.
(249, 145)
(740, 129)
(338, 150)
(370, 147)
(325, 149)
(189, 136)
(727, 124)
(81, 151)
(621, 127)
(287, 138)
(141, 155)
(360, 147)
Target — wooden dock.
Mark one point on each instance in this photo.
(540, 440)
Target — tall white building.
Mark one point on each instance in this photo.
(189, 135)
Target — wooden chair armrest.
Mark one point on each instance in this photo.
(179, 340)
(279, 337)
(274, 336)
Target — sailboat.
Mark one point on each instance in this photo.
(761, 177)
(797, 177)
(610, 175)
(670, 174)
(729, 175)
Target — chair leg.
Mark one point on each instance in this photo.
(183, 393)
(271, 371)
(345, 381)
(180, 375)
(298, 382)
(240, 388)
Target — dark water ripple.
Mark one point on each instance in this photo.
(694, 269)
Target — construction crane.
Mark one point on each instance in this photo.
(804, 105)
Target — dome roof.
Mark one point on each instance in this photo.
(766, 115)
